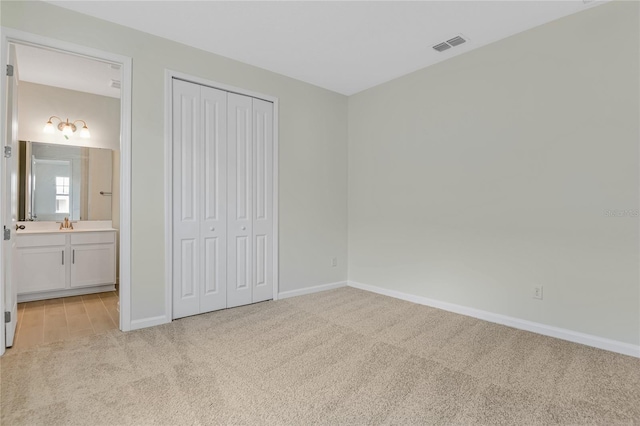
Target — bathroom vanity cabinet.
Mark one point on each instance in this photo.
(64, 263)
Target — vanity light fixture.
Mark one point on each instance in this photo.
(67, 128)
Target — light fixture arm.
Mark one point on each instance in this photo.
(84, 124)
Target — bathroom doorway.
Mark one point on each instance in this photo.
(70, 161)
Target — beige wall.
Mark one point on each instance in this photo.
(37, 102)
(313, 144)
(100, 180)
(476, 179)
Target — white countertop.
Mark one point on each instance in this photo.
(54, 227)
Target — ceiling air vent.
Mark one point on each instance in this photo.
(452, 42)
(115, 84)
(456, 41)
(441, 47)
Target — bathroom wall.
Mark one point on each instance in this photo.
(37, 102)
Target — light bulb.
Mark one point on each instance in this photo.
(48, 128)
(67, 130)
(84, 132)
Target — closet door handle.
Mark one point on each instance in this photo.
(73, 256)
(63, 257)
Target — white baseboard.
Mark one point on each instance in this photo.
(309, 290)
(54, 294)
(546, 330)
(162, 319)
(149, 322)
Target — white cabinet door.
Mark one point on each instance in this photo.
(41, 268)
(92, 264)
(240, 200)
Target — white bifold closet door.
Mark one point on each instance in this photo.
(222, 199)
(199, 199)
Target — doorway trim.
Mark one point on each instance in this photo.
(168, 175)
(10, 35)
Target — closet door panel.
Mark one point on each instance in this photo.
(262, 256)
(213, 227)
(213, 291)
(186, 189)
(240, 200)
(188, 262)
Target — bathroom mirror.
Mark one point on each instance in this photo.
(58, 181)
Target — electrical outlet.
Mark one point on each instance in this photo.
(334, 262)
(537, 292)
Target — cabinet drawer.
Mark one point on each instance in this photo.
(93, 238)
(40, 240)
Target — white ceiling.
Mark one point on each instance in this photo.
(342, 46)
(73, 72)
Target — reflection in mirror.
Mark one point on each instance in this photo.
(58, 181)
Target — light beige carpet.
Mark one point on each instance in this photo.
(340, 357)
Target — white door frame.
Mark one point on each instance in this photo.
(10, 35)
(168, 175)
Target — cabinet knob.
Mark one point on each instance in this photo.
(244, 228)
(212, 229)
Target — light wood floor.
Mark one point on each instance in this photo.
(67, 318)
